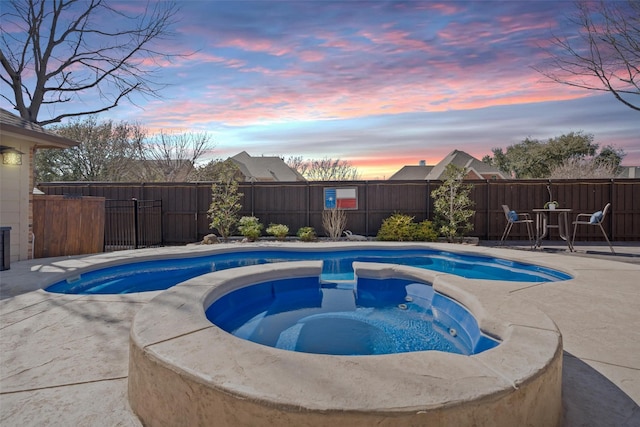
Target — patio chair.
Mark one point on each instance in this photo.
(513, 218)
(595, 219)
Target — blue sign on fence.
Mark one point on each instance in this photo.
(329, 198)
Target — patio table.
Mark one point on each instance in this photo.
(543, 224)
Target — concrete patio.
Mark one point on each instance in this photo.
(64, 358)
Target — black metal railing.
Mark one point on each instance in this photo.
(132, 224)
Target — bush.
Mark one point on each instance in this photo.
(334, 222)
(250, 227)
(401, 228)
(280, 231)
(424, 232)
(307, 234)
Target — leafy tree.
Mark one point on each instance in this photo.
(225, 200)
(604, 55)
(71, 52)
(610, 156)
(452, 205)
(108, 152)
(536, 159)
(120, 152)
(325, 169)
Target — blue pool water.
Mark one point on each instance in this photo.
(372, 316)
(142, 276)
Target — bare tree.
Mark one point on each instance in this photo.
(72, 51)
(297, 163)
(605, 56)
(172, 156)
(325, 169)
(580, 168)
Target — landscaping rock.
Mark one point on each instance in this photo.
(210, 239)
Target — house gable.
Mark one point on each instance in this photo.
(265, 168)
(476, 169)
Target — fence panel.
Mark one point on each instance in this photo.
(283, 204)
(65, 225)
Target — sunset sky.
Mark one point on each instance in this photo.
(380, 84)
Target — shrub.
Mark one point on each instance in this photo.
(250, 227)
(307, 234)
(334, 222)
(424, 232)
(280, 231)
(400, 227)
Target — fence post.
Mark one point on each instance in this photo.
(428, 200)
(611, 216)
(135, 223)
(366, 208)
(308, 204)
(197, 199)
(487, 210)
(161, 225)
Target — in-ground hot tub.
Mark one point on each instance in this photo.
(184, 370)
(359, 317)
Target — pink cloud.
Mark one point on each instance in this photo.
(398, 38)
(311, 56)
(256, 45)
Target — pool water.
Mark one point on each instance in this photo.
(142, 276)
(369, 317)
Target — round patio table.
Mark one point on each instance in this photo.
(543, 224)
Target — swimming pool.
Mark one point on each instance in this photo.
(161, 274)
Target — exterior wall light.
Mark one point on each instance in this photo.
(10, 156)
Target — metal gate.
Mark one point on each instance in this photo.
(132, 224)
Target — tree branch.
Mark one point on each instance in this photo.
(77, 52)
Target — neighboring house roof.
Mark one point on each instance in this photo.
(629, 172)
(265, 168)
(476, 169)
(10, 123)
(412, 173)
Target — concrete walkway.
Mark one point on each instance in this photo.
(64, 358)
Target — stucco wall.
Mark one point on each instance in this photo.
(15, 195)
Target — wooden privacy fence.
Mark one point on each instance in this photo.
(64, 225)
(299, 204)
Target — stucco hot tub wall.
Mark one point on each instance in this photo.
(185, 371)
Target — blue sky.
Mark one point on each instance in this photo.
(380, 84)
